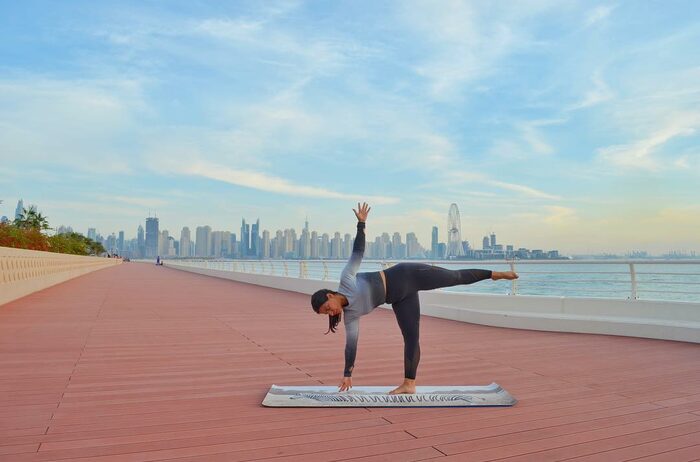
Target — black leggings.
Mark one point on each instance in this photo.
(403, 281)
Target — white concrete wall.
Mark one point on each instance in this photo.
(633, 318)
(23, 272)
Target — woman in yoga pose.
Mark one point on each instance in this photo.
(360, 293)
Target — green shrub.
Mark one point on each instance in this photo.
(21, 238)
(75, 244)
(33, 239)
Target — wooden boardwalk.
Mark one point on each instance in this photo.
(144, 363)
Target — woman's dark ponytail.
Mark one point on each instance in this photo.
(333, 322)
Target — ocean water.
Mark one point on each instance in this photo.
(670, 281)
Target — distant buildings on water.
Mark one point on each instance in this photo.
(252, 242)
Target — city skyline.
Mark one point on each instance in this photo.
(251, 244)
(473, 241)
(210, 242)
(568, 125)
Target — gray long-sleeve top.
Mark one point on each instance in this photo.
(364, 291)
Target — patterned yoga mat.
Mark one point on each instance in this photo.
(426, 396)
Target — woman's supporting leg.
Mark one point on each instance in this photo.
(407, 313)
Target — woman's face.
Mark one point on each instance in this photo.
(332, 307)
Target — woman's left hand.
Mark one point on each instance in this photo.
(345, 384)
(362, 211)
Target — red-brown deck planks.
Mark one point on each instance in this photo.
(146, 363)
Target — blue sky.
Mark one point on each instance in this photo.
(556, 124)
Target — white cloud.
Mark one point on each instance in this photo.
(472, 177)
(228, 29)
(73, 123)
(558, 215)
(465, 48)
(598, 14)
(600, 93)
(270, 183)
(640, 154)
(526, 190)
(535, 140)
(466, 41)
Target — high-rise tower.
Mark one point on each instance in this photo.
(185, 242)
(203, 241)
(434, 244)
(140, 241)
(152, 235)
(245, 239)
(454, 233)
(255, 239)
(19, 211)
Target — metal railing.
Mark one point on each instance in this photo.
(675, 280)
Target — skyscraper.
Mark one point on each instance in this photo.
(92, 234)
(245, 239)
(305, 244)
(376, 248)
(20, 209)
(111, 243)
(217, 239)
(290, 237)
(324, 250)
(255, 239)
(278, 249)
(413, 248)
(234, 245)
(397, 247)
(152, 235)
(336, 250)
(185, 242)
(493, 240)
(164, 243)
(385, 246)
(434, 244)
(140, 242)
(314, 245)
(454, 233)
(169, 249)
(203, 241)
(265, 244)
(226, 244)
(347, 245)
(120, 242)
(485, 244)
(64, 229)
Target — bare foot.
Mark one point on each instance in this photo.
(408, 387)
(496, 275)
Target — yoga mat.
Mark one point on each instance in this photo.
(426, 396)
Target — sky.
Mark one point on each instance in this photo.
(570, 125)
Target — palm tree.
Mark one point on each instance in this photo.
(31, 218)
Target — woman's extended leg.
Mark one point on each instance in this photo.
(435, 277)
(406, 278)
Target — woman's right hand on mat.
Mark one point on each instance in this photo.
(346, 384)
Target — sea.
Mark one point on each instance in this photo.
(667, 280)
